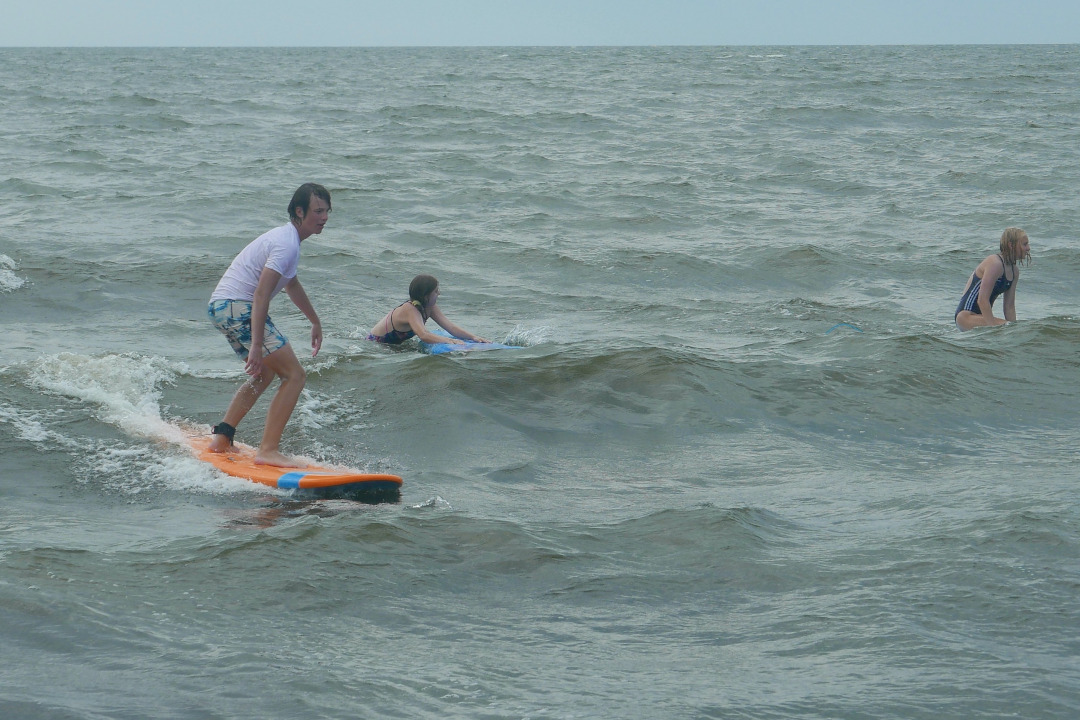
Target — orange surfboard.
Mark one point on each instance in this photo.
(311, 480)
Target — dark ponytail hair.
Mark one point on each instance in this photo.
(422, 286)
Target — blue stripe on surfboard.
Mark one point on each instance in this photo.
(290, 481)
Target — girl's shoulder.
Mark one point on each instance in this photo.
(409, 308)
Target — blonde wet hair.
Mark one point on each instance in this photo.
(1010, 246)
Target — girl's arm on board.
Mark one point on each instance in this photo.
(416, 322)
(444, 322)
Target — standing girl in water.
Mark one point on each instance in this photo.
(994, 276)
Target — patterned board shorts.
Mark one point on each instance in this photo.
(233, 319)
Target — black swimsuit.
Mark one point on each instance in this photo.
(395, 336)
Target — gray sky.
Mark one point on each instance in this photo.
(62, 23)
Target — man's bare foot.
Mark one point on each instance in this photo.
(275, 458)
(219, 444)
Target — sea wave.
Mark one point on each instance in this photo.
(9, 281)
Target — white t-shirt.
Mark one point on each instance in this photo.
(278, 249)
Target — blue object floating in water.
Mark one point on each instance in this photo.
(469, 346)
(842, 325)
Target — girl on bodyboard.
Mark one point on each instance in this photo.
(409, 318)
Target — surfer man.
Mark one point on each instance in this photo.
(996, 275)
(408, 318)
(239, 308)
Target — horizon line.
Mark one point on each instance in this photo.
(542, 45)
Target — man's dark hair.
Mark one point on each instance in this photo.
(301, 199)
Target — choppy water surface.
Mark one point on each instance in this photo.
(743, 466)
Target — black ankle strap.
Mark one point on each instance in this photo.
(224, 428)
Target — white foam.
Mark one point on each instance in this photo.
(8, 279)
(30, 427)
(316, 410)
(527, 337)
(436, 503)
(123, 387)
(124, 390)
(135, 470)
(192, 473)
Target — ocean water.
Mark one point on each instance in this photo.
(743, 465)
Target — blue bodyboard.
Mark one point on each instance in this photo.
(469, 346)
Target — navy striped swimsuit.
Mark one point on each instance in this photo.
(970, 299)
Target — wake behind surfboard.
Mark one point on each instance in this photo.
(311, 481)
